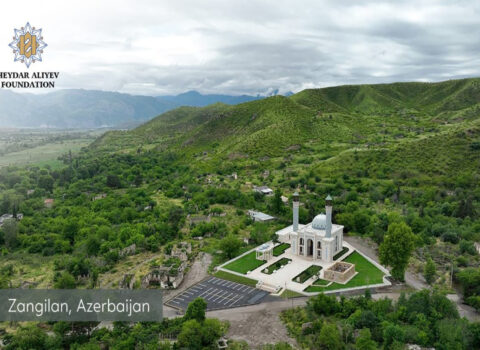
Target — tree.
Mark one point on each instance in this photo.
(175, 217)
(113, 181)
(324, 304)
(465, 208)
(277, 204)
(396, 249)
(260, 233)
(467, 247)
(429, 271)
(199, 335)
(32, 337)
(46, 182)
(365, 341)
(469, 278)
(329, 338)
(70, 229)
(93, 245)
(10, 230)
(138, 180)
(196, 310)
(452, 334)
(87, 346)
(65, 281)
(190, 336)
(230, 246)
(392, 333)
(212, 330)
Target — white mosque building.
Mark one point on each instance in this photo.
(319, 240)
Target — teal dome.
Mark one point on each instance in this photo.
(320, 222)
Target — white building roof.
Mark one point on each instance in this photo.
(264, 247)
(263, 189)
(258, 215)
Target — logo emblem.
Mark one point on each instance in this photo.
(28, 45)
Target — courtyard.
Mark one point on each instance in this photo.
(285, 271)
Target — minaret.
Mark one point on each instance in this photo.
(296, 204)
(328, 212)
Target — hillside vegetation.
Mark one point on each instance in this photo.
(399, 160)
(360, 116)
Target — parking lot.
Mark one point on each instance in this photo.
(219, 294)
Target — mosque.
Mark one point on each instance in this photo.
(319, 240)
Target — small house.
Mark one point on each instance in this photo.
(267, 191)
(258, 216)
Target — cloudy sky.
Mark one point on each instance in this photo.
(217, 46)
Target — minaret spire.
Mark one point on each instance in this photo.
(296, 204)
(328, 212)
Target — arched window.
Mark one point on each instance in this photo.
(301, 241)
(319, 245)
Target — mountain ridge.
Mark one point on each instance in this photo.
(353, 114)
(85, 109)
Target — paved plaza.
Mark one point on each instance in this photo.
(284, 277)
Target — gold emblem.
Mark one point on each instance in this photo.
(28, 45)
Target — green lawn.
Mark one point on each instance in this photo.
(321, 282)
(234, 278)
(306, 274)
(276, 265)
(280, 249)
(44, 154)
(287, 293)
(367, 274)
(246, 263)
(340, 253)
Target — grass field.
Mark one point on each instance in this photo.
(340, 253)
(277, 265)
(280, 249)
(306, 274)
(367, 274)
(246, 263)
(234, 278)
(42, 146)
(287, 293)
(44, 154)
(31, 268)
(321, 282)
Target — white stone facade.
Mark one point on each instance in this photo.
(319, 240)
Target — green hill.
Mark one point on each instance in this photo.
(430, 98)
(373, 118)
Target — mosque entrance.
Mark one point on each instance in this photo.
(309, 247)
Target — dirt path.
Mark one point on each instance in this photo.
(258, 324)
(197, 272)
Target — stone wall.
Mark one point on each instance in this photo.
(339, 272)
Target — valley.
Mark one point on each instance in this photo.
(41, 146)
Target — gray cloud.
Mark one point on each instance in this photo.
(165, 47)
